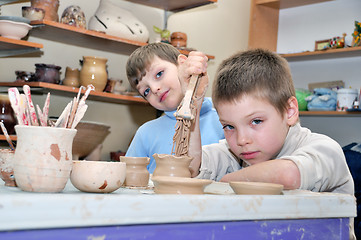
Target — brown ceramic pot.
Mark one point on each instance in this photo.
(171, 165)
(47, 73)
(49, 6)
(178, 39)
(71, 77)
(7, 114)
(137, 174)
(94, 72)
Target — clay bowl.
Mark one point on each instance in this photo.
(97, 176)
(7, 167)
(179, 185)
(220, 188)
(14, 30)
(256, 188)
(88, 137)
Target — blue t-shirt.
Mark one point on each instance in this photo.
(156, 136)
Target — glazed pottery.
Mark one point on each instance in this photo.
(73, 16)
(7, 116)
(256, 188)
(178, 39)
(50, 7)
(137, 173)
(33, 13)
(71, 77)
(6, 167)
(94, 72)
(97, 176)
(43, 159)
(116, 21)
(179, 185)
(47, 73)
(14, 30)
(171, 165)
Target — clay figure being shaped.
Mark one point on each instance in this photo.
(116, 21)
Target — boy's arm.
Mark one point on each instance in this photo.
(279, 171)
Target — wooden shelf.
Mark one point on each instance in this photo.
(330, 113)
(280, 4)
(12, 137)
(44, 88)
(324, 54)
(173, 5)
(9, 47)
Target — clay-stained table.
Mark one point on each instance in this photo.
(134, 214)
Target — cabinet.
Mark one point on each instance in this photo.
(264, 20)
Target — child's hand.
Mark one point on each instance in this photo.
(195, 64)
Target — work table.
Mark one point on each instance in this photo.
(126, 209)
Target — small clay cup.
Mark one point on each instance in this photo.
(33, 13)
(137, 174)
(6, 167)
(172, 166)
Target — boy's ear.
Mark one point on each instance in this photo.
(181, 59)
(292, 111)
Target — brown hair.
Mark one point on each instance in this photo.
(142, 57)
(256, 72)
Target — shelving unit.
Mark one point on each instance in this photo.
(11, 47)
(173, 5)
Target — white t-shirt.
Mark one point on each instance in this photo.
(319, 158)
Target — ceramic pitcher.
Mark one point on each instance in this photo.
(171, 165)
(137, 174)
(94, 72)
(43, 158)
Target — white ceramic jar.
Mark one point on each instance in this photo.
(346, 98)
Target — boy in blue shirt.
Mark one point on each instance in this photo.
(160, 74)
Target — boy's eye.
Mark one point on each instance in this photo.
(228, 127)
(256, 121)
(146, 92)
(159, 74)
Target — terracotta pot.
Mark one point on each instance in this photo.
(43, 158)
(49, 6)
(178, 39)
(71, 77)
(47, 73)
(137, 174)
(171, 165)
(7, 114)
(7, 167)
(94, 72)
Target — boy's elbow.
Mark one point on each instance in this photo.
(291, 178)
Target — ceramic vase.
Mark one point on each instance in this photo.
(7, 116)
(94, 72)
(171, 165)
(43, 158)
(71, 77)
(137, 174)
(49, 6)
(7, 167)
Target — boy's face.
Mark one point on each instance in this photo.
(160, 86)
(254, 129)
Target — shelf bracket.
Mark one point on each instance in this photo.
(7, 53)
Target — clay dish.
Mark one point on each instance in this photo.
(179, 185)
(221, 188)
(256, 188)
(97, 176)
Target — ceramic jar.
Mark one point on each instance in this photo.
(7, 167)
(43, 158)
(171, 165)
(50, 7)
(7, 114)
(94, 72)
(178, 39)
(137, 174)
(47, 73)
(71, 77)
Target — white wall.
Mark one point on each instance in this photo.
(299, 28)
(218, 29)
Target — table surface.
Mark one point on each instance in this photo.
(21, 210)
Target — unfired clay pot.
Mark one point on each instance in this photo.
(137, 174)
(43, 158)
(171, 165)
(71, 77)
(6, 167)
(94, 72)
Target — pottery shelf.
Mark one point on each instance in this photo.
(11, 47)
(44, 88)
(330, 113)
(12, 137)
(173, 5)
